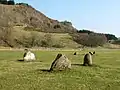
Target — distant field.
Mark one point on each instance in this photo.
(16, 75)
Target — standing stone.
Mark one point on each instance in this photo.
(60, 63)
(94, 52)
(75, 53)
(88, 59)
(28, 56)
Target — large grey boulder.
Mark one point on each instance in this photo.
(60, 63)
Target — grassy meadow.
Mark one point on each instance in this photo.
(18, 75)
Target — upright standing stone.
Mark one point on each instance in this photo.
(28, 56)
(60, 63)
(88, 59)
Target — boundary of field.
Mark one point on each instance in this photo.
(54, 49)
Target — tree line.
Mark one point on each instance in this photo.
(108, 36)
(93, 39)
(9, 2)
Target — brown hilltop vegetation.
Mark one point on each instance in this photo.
(28, 17)
(23, 26)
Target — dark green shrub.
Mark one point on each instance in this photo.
(25, 4)
(11, 2)
(58, 46)
(3, 2)
(57, 26)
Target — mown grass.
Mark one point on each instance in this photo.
(103, 75)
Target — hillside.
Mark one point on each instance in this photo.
(57, 40)
(24, 26)
(28, 17)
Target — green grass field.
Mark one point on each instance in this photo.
(16, 75)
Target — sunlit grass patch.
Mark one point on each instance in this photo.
(17, 75)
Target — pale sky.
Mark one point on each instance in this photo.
(102, 16)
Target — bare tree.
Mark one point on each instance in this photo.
(5, 35)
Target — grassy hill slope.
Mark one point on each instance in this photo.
(27, 16)
(58, 40)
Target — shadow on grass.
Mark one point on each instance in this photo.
(44, 70)
(20, 60)
(93, 65)
(52, 71)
